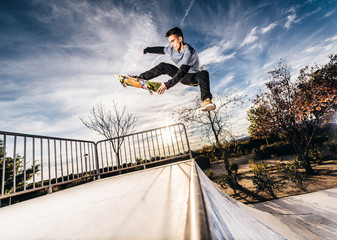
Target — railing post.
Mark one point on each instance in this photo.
(97, 162)
(188, 144)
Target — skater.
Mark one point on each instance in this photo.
(187, 72)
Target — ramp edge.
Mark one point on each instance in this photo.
(197, 224)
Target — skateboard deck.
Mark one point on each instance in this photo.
(138, 83)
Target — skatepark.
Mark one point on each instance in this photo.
(175, 200)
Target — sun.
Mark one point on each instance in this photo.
(167, 136)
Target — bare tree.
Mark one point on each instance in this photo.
(111, 124)
(212, 124)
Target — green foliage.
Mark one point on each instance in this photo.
(212, 151)
(297, 110)
(316, 154)
(209, 173)
(291, 172)
(276, 149)
(203, 161)
(231, 178)
(262, 178)
(19, 172)
(332, 148)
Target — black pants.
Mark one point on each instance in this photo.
(191, 79)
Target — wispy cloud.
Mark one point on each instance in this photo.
(291, 19)
(331, 39)
(251, 37)
(328, 14)
(66, 79)
(256, 32)
(268, 28)
(213, 55)
(187, 12)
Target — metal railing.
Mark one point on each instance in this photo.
(31, 162)
(143, 148)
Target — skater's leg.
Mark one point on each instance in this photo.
(160, 69)
(190, 80)
(203, 78)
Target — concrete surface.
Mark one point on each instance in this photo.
(312, 215)
(148, 204)
(156, 204)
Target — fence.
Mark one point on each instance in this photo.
(31, 162)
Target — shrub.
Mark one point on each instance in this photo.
(209, 173)
(231, 178)
(290, 171)
(262, 179)
(279, 149)
(203, 162)
(212, 151)
(332, 148)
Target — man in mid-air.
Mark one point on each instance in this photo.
(187, 72)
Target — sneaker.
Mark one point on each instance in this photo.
(207, 105)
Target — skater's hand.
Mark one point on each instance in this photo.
(162, 89)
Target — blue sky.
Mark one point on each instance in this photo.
(57, 58)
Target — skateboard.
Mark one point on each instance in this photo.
(138, 83)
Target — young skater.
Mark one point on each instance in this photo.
(187, 72)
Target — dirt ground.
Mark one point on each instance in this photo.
(326, 178)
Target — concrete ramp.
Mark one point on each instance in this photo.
(174, 201)
(148, 204)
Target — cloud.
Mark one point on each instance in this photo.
(251, 37)
(256, 32)
(187, 12)
(59, 59)
(213, 55)
(224, 82)
(61, 81)
(290, 20)
(328, 14)
(331, 39)
(268, 28)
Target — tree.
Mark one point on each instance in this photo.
(211, 124)
(296, 110)
(111, 124)
(19, 172)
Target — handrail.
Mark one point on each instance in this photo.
(197, 225)
(41, 136)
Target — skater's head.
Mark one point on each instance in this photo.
(175, 31)
(176, 38)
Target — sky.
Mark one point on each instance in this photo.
(57, 58)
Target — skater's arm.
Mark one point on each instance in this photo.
(157, 50)
(183, 70)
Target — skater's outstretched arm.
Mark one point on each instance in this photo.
(157, 50)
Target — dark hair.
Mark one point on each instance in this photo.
(175, 31)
